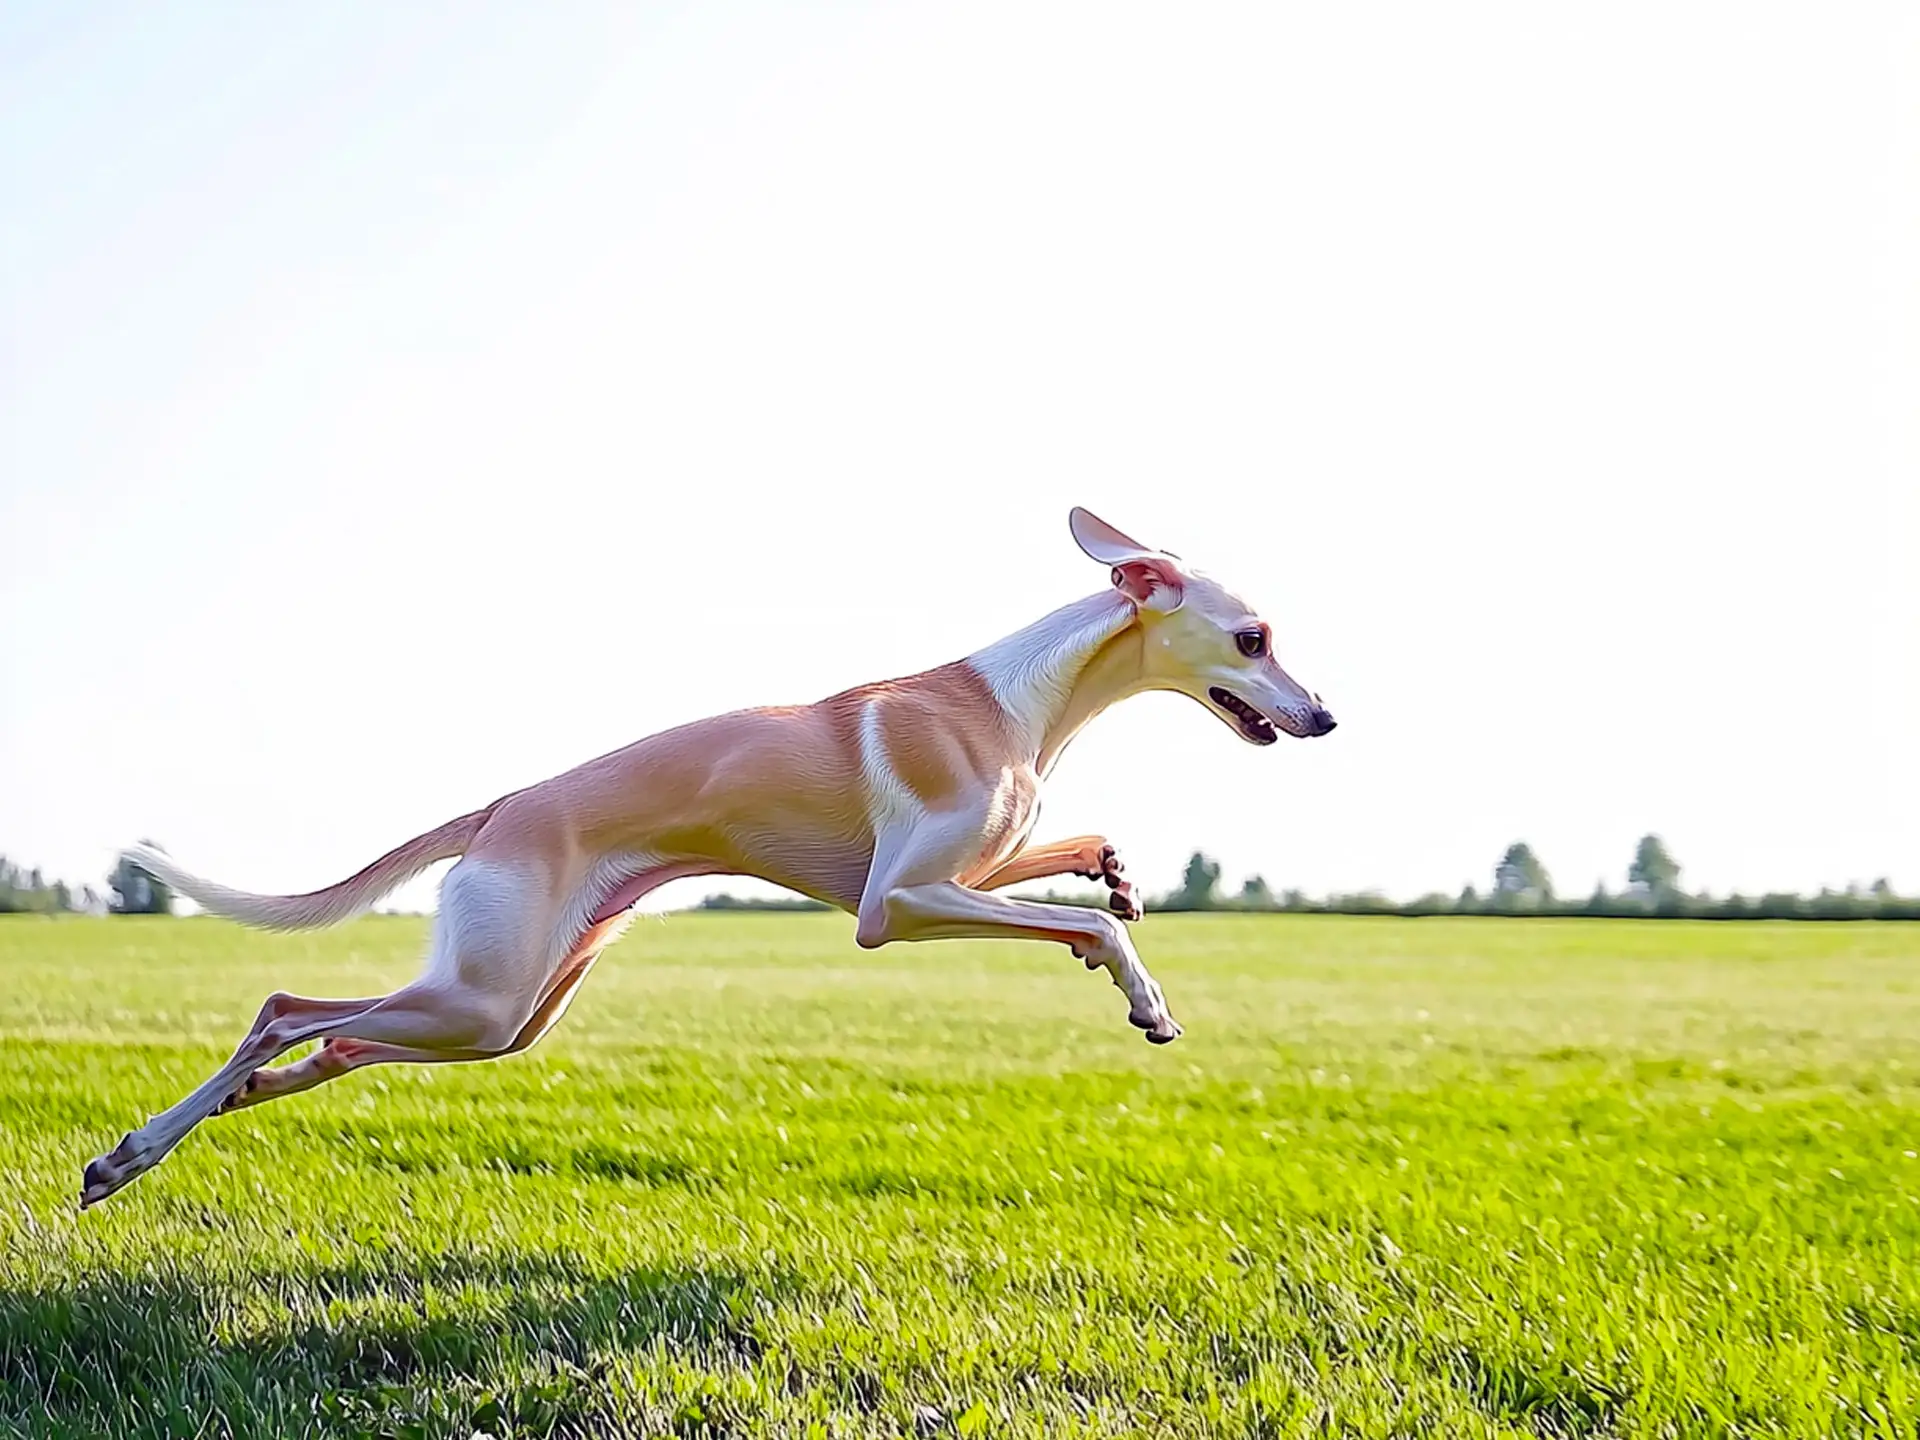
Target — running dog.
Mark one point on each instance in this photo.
(906, 803)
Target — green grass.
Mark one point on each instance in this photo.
(1453, 1178)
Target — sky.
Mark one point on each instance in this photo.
(400, 404)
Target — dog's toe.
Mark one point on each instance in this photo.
(107, 1173)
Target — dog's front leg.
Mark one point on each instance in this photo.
(948, 910)
(1090, 856)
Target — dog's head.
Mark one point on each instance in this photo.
(1203, 640)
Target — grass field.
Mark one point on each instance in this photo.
(1441, 1177)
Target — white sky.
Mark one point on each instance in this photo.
(399, 404)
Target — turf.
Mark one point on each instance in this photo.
(1434, 1177)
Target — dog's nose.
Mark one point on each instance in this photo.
(1323, 720)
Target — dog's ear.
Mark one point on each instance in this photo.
(1144, 575)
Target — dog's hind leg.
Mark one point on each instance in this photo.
(335, 1057)
(486, 976)
(343, 1054)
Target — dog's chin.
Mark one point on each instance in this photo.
(1254, 727)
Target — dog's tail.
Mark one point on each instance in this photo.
(319, 907)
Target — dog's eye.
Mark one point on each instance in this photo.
(1252, 643)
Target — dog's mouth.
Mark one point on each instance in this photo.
(1255, 726)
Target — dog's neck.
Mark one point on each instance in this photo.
(1059, 672)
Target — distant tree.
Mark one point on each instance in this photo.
(1883, 889)
(1831, 904)
(726, 901)
(1654, 873)
(1199, 886)
(1255, 894)
(27, 891)
(1469, 901)
(1520, 878)
(135, 892)
(1361, 902)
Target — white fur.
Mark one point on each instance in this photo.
(889, 802)
(1031, 672)
(487, 913)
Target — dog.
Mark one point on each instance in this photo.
(906, 803)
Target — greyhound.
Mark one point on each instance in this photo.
(906, 803)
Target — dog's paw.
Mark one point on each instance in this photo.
(119, 1167)
(1147, 1007)
(1161, 1028)
(1123, 900)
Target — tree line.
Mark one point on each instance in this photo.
(130, 891)
(1522, 886)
